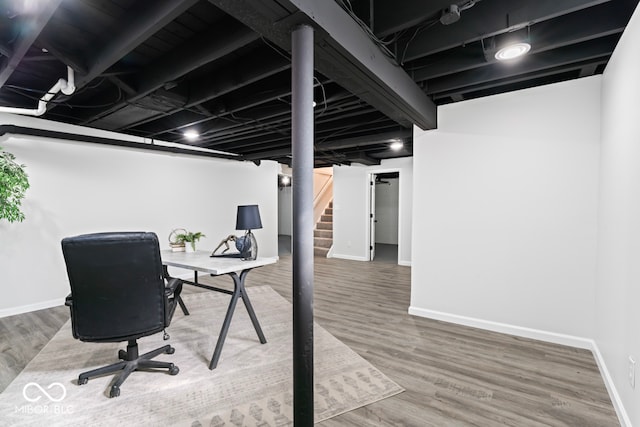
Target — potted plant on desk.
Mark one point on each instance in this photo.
(191, 239)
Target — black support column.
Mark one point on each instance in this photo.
(302, 162)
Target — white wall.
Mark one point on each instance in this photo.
(618, 281)
(387, 199)
(81, 188)
(505, 212)
(351, 209)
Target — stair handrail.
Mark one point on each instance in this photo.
(322, 199)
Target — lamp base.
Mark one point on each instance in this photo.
(250, 249)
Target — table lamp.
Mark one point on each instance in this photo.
(248, 218)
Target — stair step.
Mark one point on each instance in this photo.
(324, 225)
(320, 251)
(326, 218)
(328, 211)
(321, 242)
(327, 234)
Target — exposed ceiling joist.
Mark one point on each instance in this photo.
(546, 60)
(73, 61)
(229, 108)
(344, 53)
(142, 23)
(206, 88)
(30, 29)
(363, 158)
(218, 42)
(489, 18)
(554, 34)
(523, 80)
(364, 140)
(340, 144)
(588, 70)
(236, 104)
(392, 17)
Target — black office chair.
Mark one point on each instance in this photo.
(119, 293)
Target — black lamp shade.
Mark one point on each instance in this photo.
(248, 218)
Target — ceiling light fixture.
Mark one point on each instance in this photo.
(191, 135)
(397, 145)
(513, 51)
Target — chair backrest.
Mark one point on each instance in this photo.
(117, 285)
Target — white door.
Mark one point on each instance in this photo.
(372, 216)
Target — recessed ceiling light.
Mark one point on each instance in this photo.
(285, 180)
(513, 51)
(397, 145)
(191, 135)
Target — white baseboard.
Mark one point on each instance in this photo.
(349, 257)
(504, 328)
(553, 337)
(6, 312)
(405, 263)
(623, 417)
(330, 252)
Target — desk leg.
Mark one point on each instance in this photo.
(238, 292)
(225, 328)
(183, 306)
(239, 283)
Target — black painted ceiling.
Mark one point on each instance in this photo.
(222, 67)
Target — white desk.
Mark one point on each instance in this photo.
(202, 261)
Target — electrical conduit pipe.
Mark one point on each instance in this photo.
(67, 87)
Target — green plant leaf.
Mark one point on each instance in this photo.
(14, 183)
(189, 237)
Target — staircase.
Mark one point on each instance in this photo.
(323, 234)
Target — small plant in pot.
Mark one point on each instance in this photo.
(13, 185)
(190, 239)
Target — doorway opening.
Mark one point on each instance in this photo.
(384, 208)
(285, 212)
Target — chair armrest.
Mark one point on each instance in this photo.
(172, 292)
(68, 301)
(172, 286)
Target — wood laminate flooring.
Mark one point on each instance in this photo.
(453, 375)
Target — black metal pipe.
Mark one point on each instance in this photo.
(302, 153)
(20, 130)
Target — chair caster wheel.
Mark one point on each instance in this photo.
(171, 350)
(173, 370)
(115, 391)
(82, 381)
(122, 355)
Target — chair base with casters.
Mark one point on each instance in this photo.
(131, 361)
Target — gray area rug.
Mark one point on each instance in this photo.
(252, 385)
